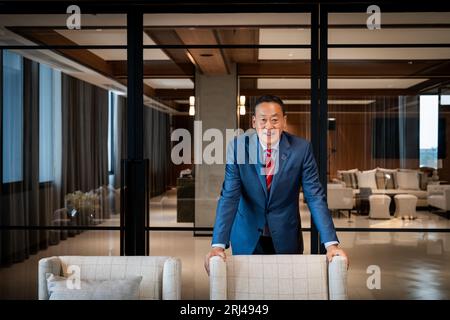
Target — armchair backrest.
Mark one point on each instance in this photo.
(161, 276)
(438, 188)
(259, 277)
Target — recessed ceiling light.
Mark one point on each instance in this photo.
(291, 54)
(191, 58)
(98, 29)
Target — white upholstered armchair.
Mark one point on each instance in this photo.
(340, 198)
(273, 277)
(161, 276)
(439, 196)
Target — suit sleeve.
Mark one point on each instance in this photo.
(315, 197)
(229, 198)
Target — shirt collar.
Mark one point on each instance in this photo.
(273, 147)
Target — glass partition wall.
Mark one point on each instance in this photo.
(386, 120)
(387, 146)
(87, 171)
(81, 137)
(63, 118)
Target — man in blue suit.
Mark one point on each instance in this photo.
(258, 209)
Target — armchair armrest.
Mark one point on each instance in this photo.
(217, 279)
(336, 180)
(171, 282)
(447, 198)
(434, 189)
(437, 188)
(337, 278)
(47, 265)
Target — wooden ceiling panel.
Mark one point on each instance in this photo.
(49, 36)
(156, 69)
(247, 83)
(249, 68)
(148, 91)
(302, 93)
(178, 94)
(349, 69)
(209, 61)
(116, 70)
(240, 36)
(386, 68)
(169, 37)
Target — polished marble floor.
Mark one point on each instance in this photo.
(412, 265)
(163, 213)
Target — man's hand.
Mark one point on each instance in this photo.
(333, 250)
(217, 251)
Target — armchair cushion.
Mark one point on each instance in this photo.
(386, 178)
(366, 179)
(121, 289)
(408, 180)
(349, 178)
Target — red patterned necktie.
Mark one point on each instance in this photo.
(269, 168)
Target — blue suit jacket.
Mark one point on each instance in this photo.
(245, 205)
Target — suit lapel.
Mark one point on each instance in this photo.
(283, 154)
(256, 161)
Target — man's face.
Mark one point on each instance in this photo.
(269, 122)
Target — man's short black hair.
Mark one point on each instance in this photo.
(270, 98)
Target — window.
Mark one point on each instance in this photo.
(12, 117)
(49, 104)
(111, 103)
(445, 100)
(429, 119)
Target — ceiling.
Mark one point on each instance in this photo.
(169, 72)
(110, 37)
(283, 83)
